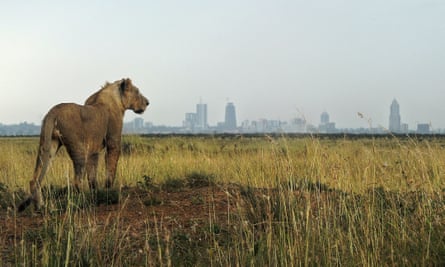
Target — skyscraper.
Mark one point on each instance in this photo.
(324, 118)
(394, 117)
(201, 116)
(230, 119)
(325, 125)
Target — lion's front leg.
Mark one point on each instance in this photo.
(111, 159)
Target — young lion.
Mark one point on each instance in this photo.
(85, 130)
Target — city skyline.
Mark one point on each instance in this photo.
(195, 122)
(394, 124)
(295, 125)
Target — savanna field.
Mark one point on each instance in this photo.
(233, 201)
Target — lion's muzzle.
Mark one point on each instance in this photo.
(144, 105)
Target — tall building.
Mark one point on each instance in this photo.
(230, 119)
(201, 116)
(423, 128)
(394, 118)
(324, 118)
(196, 122)
(325, 125)
(190, 121)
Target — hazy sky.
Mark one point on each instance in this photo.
(273, 59)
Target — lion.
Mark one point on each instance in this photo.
(85, 130)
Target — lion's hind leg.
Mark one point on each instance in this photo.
(92, 162)
(43, 161)
(79, 162)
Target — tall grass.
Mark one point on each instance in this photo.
(290, 202)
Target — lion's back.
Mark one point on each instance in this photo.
(77, 123)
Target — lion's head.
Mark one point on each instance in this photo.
(122, 93)
(131, 97)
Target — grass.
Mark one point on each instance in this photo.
(218, 201)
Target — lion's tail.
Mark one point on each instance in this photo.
(43, 159)
(46, 133)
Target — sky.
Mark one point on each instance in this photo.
(273, 59)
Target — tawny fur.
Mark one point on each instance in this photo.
(85, 130)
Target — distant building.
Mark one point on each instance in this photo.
(324, 118)
(230, 118)
(404, 128)
(325, 125)
(423, 128)
(248, 127)
(263, 126)
(189, 122)
(296, 125)
(311, 128)
(394, 117)
(201, 116)
(196, 122)
(138, 123)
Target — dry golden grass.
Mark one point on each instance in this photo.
(348, 165)
(289, 201)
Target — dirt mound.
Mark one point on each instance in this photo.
(194, 221)
(136, 210)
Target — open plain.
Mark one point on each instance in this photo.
(233, 200)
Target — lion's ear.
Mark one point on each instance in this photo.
(125, 83)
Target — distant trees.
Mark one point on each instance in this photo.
(23, 128)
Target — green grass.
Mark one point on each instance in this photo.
(293, 201)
